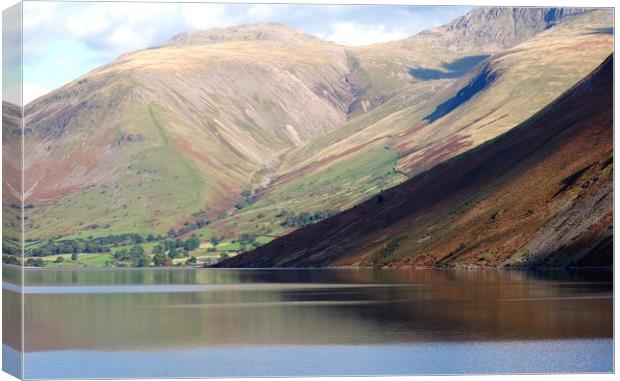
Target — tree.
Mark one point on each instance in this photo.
(223, 256)
(9, 259)
(136, 250)
(38, 262)
(159, 259)
(141, 261)
(137, 257)
(192, 243)
(158, 249)
(173, 253)
(74, 256)
(191, 261)
(121, 255)
(60, 260)
(169, 244)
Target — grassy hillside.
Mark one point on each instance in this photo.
(142, 146)
(525, 79)
(540, 194)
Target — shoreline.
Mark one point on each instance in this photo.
(332, 268)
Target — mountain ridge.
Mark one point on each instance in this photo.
(517, 25)
(266, 32)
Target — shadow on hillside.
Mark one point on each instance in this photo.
(453, 69)
(476, 85)
(609, 30)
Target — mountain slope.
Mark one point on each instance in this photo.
(525, 79)
(384, 146)
(539, 194)
(446, 52)
(244, 127)
(160, 134)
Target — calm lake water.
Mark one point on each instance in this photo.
(217, 322)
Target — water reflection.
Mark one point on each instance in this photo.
(269, 307)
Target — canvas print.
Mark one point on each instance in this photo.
(231, 190)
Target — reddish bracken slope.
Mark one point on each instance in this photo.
(539, 195)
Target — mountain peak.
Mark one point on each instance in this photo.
(498, 28)
(248, 32)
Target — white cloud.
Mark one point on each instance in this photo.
(261, 11)
(351, 33)
(86, 24)
(127, 37)
(203, 16)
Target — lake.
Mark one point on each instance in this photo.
(176, 322)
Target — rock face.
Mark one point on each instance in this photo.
(498, 28)
(541, 194)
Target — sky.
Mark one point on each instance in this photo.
(63, 41)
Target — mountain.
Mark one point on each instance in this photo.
(239, 131)
(540, 194)
(159, 134)
(387, 145)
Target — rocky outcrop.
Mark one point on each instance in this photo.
(499, 28)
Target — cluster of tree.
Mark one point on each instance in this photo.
(294, 220)
(10, 259)
(249, 197)
(134, 256)
(67, 247)
(188, 227)
(10, 249)
(36, 262)
(164, 253)
(247, 241)
(161, 259)
(125, 239)
(92, 245)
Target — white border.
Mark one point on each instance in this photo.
(565, 3)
